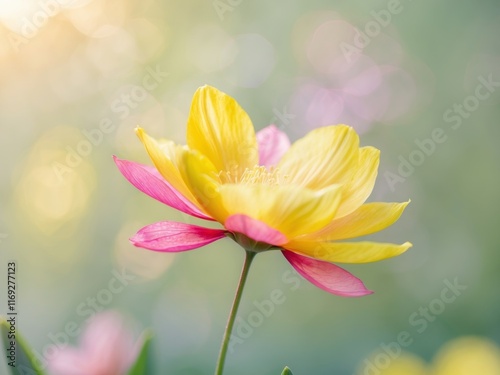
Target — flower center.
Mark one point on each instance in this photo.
(256, 175)
(250, 244)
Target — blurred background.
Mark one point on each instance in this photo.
(417, 80)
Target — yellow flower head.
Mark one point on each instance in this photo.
(301, 199)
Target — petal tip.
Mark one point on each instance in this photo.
(133, 240)
(345, 126)
(403, 248)
(139, 132)
(348, 128)
(205, 87)
(362, 292)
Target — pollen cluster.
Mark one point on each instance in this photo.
(257, 175)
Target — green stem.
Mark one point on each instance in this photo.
(232, 315)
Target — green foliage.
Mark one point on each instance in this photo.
(23, 361)
(142, 365)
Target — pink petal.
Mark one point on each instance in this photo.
(150, 181)
(327, 276)
(273, 144)
(255, 229)
(171, 236)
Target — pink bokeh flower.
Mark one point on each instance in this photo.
(106, 347)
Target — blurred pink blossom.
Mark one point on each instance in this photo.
(106, 347)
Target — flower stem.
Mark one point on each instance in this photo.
(232, 314)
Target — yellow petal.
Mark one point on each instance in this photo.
(166, 157)
(222, 131)
(367, 219)
(325, 156)
(360, 187)
(293, 210)
(348, 252)
(203, 180)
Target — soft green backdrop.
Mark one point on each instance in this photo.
(70, 67)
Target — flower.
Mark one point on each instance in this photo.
(468, 355)
(268, 195)
(106, 348)
(463, 356)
